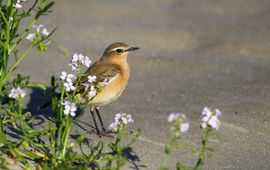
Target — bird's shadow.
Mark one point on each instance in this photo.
(38, 97)
(133, 158)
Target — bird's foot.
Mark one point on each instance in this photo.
(107, 133)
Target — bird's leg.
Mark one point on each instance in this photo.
(93, 115)
(100, 120)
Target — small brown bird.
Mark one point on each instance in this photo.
(113, 68)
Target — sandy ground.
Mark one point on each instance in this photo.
(193, 54)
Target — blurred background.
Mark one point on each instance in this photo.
(193, 54)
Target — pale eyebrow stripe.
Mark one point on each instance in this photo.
(117, 48)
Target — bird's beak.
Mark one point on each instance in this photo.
(132, 49)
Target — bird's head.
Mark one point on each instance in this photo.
(118, 51)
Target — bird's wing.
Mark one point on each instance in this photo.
(103, 72)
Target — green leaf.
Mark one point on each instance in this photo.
(178, 166)
(80, 139)
(180, 146)
(194, 149)
(3, 138)
(53, 82)
(42, 47)
(36, 85)
(42, 11)
(168, 149)
(32, 154)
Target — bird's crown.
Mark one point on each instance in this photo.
(119, 48)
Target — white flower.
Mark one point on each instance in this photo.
(86, 85)
(74, 66)
(214, 122)
(74, 62)
(75, 57)
(45, 32)
(210, 118)
(81, 58)
(173, 117)
(38, 27)
(92, 79)
(78, 59)
(11, 18)
(17, 93)
(92, 92)
(218, 113)
(87, 61)
(30, 37)
(117, 117)
(84, 60)
(113, 126)
(105, 82)
(124, 119)
(203, 125)
(70, 108)
(206, 112)
(180, 120)
(69, 86)
(184, 127)
(17, 5)
(70, 78)
(120, 118)
(63, 75)
(129, 119)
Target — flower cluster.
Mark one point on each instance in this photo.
(210, 118)
(69, 81)
(40, 30)
(105, 82)
(180, 121)
(92, 79)
(70, 108)
(79, 59)
(16, 93)
(90, 83)
(120, 119)
(92, 92)
(18, 4)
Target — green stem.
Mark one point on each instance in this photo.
(200, 161)
(66, 134)
(67, 131)
(17, 63)
(170, 148)
(5, 50)
(3, 16)
(59, 125)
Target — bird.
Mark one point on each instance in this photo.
(113, 68)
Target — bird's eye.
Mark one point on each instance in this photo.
(119, 50)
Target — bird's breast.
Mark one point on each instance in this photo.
(112, 90)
